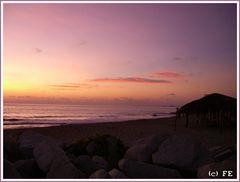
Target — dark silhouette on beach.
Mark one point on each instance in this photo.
(213, 108)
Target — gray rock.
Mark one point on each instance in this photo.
(45, 153)
(86, 164)
(63, 168)
(52, 160)
(116, 174)
(226, 165)
(100, 161)
(28, 140)
(28, 168)
(9, 171)
(180, 151)
(143, 149)
(134, 169)
(100, 174)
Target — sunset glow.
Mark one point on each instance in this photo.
(125, 53)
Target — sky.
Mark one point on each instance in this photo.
(166, 54)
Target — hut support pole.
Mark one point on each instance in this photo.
(187, 120)
(175, 124)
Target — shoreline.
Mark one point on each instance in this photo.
(132, 130)
(83, 122)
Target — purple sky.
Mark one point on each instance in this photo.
(171, 52)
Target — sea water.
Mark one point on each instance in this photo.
(39, 115)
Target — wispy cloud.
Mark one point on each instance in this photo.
(37, 50)
(64, 86)
(168, 74)
(131, 79)
(177, 58)
(71, 86)
(81, 43)
(172, 94)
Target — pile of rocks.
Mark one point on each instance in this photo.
(45, 157)
(159, 156)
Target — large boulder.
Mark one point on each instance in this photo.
(86, 164)
(45, 153)
(52, 160)
(100, 174)
(29, 169)
(63, 168)
(226, 165)
(28, 140)
(11, 150)
(9, 171)
(182, 152)
(116, 174)
(134, 169)
(143, 149)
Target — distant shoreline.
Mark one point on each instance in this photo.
(37, 124)
(34, 125)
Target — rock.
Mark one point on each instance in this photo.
(52, 160)
(10, 172)
(100, 161)
(28, 140)
(28, 169)
(134, 169)
(45, 153)
(116, 174)
(86, 164)
(100, 174)
(143, 149)
(63, 168)
(214, 149)
(11, 150)
(181, 151)
(223, 153)
(226, 165)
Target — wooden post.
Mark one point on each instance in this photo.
(187, 119)
(177, 117)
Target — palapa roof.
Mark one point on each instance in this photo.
(211, 103)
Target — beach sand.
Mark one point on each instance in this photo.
(131, 131)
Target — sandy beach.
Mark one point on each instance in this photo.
(131, 131)
(207, 148)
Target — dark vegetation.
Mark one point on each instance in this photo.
(109, 147)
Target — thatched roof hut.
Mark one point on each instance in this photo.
(210, 104)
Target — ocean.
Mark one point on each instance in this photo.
(41, 115)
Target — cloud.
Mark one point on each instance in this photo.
(81, 43)
(64, 86)
(172, 94)
(71, 86)
(177, 59)
(168, 74)
(131, 80)
(21, 97)
(37, 50)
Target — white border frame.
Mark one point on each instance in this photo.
(119, 2)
